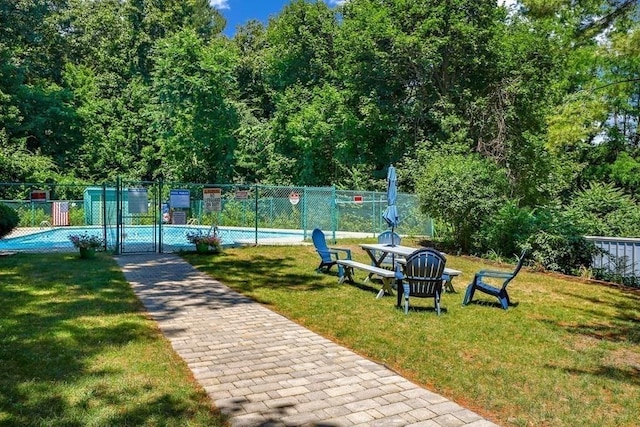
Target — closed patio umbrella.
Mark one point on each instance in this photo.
(390, 214)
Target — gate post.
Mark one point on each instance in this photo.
(159, 215)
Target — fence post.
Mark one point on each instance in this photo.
(33, 214)
(304, 213)
(334, 212)
(256, 217)
(159, 215)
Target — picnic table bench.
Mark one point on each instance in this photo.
(348, 267)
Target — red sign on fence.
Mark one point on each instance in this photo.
(358, 200)
(39, 195)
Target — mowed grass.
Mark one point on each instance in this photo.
(76, 349)
(567, 354)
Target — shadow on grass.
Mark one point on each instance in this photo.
(626, 325)
(492, 304)
(167, 285)
(365, 286)
(262, 271)
(64, 332)
(422, 309)
(630, 375)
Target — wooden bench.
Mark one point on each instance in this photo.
(349, 266)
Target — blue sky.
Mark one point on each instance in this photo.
(238, 12)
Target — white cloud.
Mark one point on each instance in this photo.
(337, 2)
(219, 4)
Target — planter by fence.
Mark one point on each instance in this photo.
(87, 253)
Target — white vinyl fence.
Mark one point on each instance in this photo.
(619, 255)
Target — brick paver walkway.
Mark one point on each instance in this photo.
(265, 370)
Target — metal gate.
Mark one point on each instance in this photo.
(138, 224)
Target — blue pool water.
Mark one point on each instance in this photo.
(140, 237)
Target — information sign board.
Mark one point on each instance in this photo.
(179, 199)
(179, 217)
(212, 198)
(242, 195)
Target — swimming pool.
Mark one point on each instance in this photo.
(142, 238)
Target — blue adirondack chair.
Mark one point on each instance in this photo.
(479, 284)
(422, 277)
(328, 255)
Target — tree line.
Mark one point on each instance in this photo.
(507, 121)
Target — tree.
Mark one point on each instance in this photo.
(597, 119)
(300, 47)
(412, 70)
(196, 118)
(35, 113)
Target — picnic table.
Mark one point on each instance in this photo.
(379, 251)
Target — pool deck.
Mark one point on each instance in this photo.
(262, 369)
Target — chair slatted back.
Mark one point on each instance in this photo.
(423, 272)
(320, 244)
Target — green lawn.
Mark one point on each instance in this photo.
(567, 354)
(76, 349)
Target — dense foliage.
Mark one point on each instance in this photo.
(8, 220)
(513, 112)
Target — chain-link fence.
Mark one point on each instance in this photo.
(157, 216)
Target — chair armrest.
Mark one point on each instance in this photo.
(337, 251)
(494, 274)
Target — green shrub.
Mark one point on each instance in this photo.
(9, 220)
(508, 230)
(558, 244)
(604, 210)
(464, 191)
(32, 217)
(76, 215)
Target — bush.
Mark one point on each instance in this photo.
(8, 220)
(509, 230)
(604, 210)
(464, 192)
(32, 217)
(558, 244)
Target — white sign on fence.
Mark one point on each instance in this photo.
(294, 198)
(212, 198)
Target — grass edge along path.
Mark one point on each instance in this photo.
(76, 349)
(566, 354)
